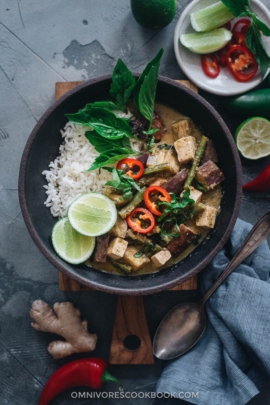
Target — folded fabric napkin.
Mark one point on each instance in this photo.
(231, 361)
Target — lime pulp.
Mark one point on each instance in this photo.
(253, 138)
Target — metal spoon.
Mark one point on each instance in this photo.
(183, 326)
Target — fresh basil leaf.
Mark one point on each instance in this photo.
(174, 207)
(107, 159)
(102, 144)
(104, 121)
(261, 25)
(256, 45)
(122, 85)
(109, 105)
(239, 8)
(151, 131)
(145, 89)
(122, 183)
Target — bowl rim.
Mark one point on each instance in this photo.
(107, 288)
(246, 86)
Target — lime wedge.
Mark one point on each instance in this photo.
(70, 245)
(211, 17)
(253, 138)
(92, 214)
(206, 42)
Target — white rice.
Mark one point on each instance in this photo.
(67, 177)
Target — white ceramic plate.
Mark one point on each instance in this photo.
(190, 63)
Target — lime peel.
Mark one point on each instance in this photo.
(206, 42)
(70, 245)
(253, 138)
(92, 214)
(210, 17)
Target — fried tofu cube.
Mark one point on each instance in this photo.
(135, 262)
(164, 155)
(117, 248)
(120, 228)
(160, 258)
(195, 195)
(209, 175)
(207, 218)
(186, 149)
(181, 129)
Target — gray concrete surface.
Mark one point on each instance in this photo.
(42, 42)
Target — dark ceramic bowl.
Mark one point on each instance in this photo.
(43, 145)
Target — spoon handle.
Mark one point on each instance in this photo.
(256, 236)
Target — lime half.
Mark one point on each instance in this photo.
(211, 17)
(253, 138)
(92, 214)
(70, 245)
(206, 42)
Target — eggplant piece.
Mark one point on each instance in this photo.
(210, 153)
(176, 183)
(102, 243)
(157, 123)
(143, 158)
(209, 175)
(178, 245)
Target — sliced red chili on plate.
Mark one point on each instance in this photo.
(154, 195)
(238, 39)
(141, 220)
(132, 168)
(210, 65)
(241, 62)
(221, 56)
(241, 25)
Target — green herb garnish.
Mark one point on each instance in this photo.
(176, 204)
(122, 183)
(111, 150)
(242, 8)
(145, 89)
(200, 187)
(122, 85)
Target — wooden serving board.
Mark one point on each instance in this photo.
(130, 320)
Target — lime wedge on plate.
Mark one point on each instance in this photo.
(206, 42)
(211, 17)
(70, 245)
(92, 214)
(253, 138)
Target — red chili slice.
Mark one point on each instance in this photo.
(141, 220)
(210, 65)
(221, 56)
(132, 168)
(238, 39)
(241, 25)
(153, 195)
(241, 63)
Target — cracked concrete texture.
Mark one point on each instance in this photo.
(42, 42)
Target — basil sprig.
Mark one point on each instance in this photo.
(122, 85)
(111, 150)
(145, 89)
(242, 8)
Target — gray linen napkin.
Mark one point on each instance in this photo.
(231, 361)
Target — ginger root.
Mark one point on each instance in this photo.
(64, 320)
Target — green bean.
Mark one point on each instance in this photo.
(196, 161)
(157, 168)
(125, 268)
(137, 199)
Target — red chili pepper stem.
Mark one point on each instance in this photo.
(108, 377)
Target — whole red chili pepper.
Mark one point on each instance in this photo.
(90, 372)
(261, 182)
